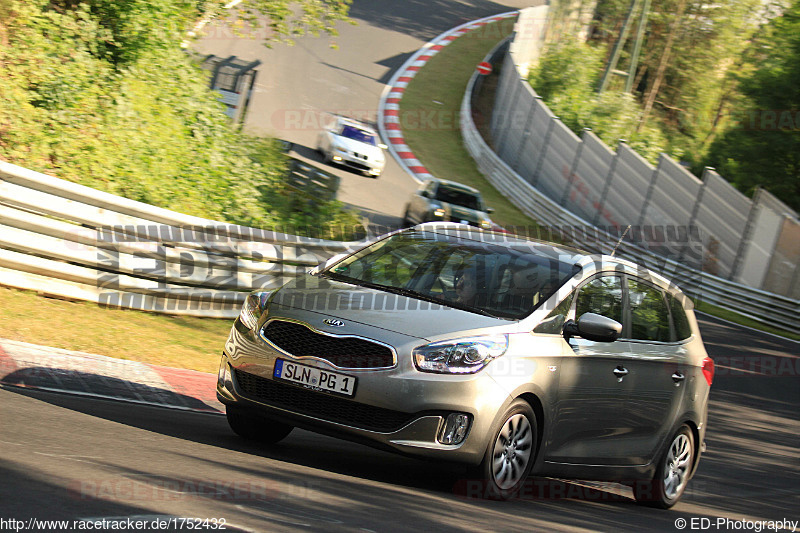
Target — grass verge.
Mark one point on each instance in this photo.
(182, 342)
(732, 316)
(429, 116)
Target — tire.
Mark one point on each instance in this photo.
(406, 220)
(510, 453)
(256, 428)
(672, 473)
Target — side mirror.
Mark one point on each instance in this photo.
(593, 327)
(328, 262)
(490, 209)
(425, 194)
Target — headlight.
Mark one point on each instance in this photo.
(253, 307)
(486, 224)
(438, 212)
(460, 356)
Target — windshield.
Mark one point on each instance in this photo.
(357, 134)
(501, 280)
(459, 197)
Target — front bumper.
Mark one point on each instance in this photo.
(358, 163)
(400, 409)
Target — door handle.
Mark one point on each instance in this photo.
(677, 377)
(620, 372)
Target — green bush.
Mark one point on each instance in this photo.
(101, 93)
(567, 77)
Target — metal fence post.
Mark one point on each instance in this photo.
(695, 211)
(611, 170)
(503, 92)
(543, 153)
(650, 190)
(573, 168)
(527, 132)
(746, 234)
(501, 144)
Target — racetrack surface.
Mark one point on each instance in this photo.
(91, 458)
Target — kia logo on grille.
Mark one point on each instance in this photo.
(333, 322)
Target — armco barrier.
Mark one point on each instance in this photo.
(71, 241)
(760, 305)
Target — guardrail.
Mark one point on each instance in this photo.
(70, 241)
(760, 305)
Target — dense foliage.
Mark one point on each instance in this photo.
(703, 66)
(101, 93)
(566, 78)
(762, 146)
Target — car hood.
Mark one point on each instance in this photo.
(320, 298)
(373, 152)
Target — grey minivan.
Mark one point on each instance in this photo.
(511, 356)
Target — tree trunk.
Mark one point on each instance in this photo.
(662, 65)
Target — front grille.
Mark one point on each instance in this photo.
(344, 352)
(359, 166)
(320, 405)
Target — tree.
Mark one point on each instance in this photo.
(763, 147)
(288, 19)
(101, 93)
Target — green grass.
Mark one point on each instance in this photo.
(732, 316)
(429, 114)
(182, 342)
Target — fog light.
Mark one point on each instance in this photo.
(454, 429)
(223, 378)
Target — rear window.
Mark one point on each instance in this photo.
(505, 281)
(679, 319)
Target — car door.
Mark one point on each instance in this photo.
(592, 415)
(658, 373)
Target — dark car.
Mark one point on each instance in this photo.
(456, 344)
(447, 201)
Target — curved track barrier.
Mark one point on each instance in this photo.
(678, 251)
(70, 241)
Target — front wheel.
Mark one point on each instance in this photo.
(672, 473)
(510, 454)
(253, 427)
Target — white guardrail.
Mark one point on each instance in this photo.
(70, 241)
(765, 307)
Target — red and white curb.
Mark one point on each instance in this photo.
(389, 108)
(53, 369)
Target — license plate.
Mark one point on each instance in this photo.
(315, 378)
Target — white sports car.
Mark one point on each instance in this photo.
(352, 143)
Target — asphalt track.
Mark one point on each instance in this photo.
(72, 457)
(299, 86)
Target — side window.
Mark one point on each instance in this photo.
(602, 296)
(679, 319)
(649, 314)
(554, 323)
